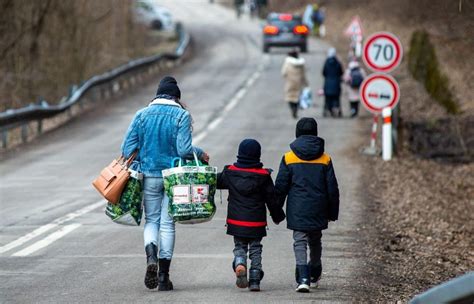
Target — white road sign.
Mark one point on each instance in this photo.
(379, 91)
(354, 28)
(383, 52)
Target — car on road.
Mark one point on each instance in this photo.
(152, 15)
(285, 30)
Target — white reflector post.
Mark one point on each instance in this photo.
(387, 134)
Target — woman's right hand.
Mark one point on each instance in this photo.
(205, 157)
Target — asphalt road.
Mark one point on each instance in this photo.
(56, 244)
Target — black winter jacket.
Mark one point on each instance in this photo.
(249, 191)
(332, 73)
(307, 178)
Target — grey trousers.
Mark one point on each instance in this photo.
(301, 241)
(251, 245)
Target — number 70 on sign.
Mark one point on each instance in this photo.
(382, 52)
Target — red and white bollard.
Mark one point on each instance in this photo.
(373, 135)
(387, 149)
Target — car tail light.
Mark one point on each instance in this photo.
(301, 30)
(286, 17)
(270, 30)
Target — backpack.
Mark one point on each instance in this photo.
(356, 78)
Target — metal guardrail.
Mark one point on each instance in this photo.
(457, 291)
(14, 118)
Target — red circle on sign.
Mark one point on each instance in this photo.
(377, 76)
(398, 49)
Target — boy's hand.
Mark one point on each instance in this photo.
(278, 218)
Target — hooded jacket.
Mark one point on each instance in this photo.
(250, 192)
(307, 181)
(293, 71)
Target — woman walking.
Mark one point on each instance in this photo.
(159, 133)
(294, 73)
(332, 73)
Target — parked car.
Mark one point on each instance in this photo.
(153, 15)
(285, 30)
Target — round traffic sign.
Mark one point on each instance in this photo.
(382, 52)
(379, 91)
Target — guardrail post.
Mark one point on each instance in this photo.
(115, 87)
(24, 133)
(40, 126)
(5, 139)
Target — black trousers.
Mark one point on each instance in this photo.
(254, 248)
(294, 109)
(331, 103)
(354, 108)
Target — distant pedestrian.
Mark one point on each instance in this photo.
(159, 133)
(332, 73)
(294, 73)
(238, 7)
(251, 191)
(307, 181)
(353, 78)
(317, 18)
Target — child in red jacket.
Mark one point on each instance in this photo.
(251, 191)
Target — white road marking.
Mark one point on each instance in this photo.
(45, 228)
(198, 138)
(47, 240)
(232, 103)
(215, 123)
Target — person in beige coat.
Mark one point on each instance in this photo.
(294, 73)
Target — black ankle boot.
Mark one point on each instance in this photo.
(164, 275)
(303, 278)
(255, 276)
(240, 268)
(151, 277)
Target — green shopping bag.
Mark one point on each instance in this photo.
(129, 209)
(191, 188)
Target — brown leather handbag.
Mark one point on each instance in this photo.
(113, 179)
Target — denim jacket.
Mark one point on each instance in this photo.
(160, 133)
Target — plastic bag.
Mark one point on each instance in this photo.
(191, 189)
(129, 210)
(306, 98)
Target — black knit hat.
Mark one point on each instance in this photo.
(169, 86)
(249, 154)
(306, 126)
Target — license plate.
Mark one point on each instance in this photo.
(286, 35)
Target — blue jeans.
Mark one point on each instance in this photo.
(159, 226)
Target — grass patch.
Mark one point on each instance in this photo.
(424, 66)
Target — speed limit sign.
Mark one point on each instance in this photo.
(382, 52)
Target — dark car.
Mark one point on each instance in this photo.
(285, 30)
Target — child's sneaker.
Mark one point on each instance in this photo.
(302, 278)
(255, 277)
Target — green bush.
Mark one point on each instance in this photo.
(423, 65)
